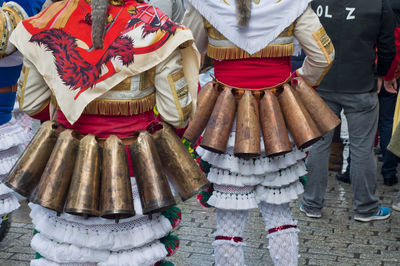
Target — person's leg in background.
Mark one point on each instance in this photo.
(387, 105)
(362, 111)
(336, 151)
(317, 165)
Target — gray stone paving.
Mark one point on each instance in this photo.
(335, 239)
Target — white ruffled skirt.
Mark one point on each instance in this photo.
(73, 240)
(14, 137)
(241, 184)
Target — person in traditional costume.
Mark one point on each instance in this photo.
(102, 66)
(251, 42)
(15, 127)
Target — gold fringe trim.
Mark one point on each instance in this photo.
(233, 52)
(117, 107)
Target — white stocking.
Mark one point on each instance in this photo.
(230, 223)
(283, 241)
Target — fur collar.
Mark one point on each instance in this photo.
(243, 9)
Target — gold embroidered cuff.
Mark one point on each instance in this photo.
(324, 43)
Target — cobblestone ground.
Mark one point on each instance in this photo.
(335, 239)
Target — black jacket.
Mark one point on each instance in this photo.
(357, 28)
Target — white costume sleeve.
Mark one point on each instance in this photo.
(174, 101)
(194, 21)
(316, 44)
(33, 93)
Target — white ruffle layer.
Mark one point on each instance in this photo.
(275, 179)
(233, 201)
(12, 134)
(45, 262)
(246, 201)
(258, 166)
(9, 157)
(98, 233)
(8, 203)
(279, 195)
(64, 253)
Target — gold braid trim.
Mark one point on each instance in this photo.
(233, 52)
(117, 107)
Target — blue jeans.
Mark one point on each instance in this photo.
(387, 105)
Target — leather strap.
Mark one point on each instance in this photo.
(12, 88)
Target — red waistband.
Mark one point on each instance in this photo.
(103, 126)
(253, 73)
(280, 228)
(234, 238)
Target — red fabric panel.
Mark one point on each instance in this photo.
(104, 126)
(394, 71)
(43, 115)
(253, 73)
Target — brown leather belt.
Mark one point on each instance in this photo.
(127, 141)
(12, 88)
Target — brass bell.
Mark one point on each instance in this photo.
(116, 189)
(303, 129)
(26, 173)
(247, 138)
(320, 112)
(84, 191)
(155, 193)
(54, 184)
(182, 171)
(219, 125)
(275, 135)
(205, 104)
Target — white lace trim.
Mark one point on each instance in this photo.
(8, 203)
(257, 166)
(233, 201)
(98, 233)
(145, 256)
(45, 262)
(65, 253)
(279, 195)
(9, 157)
(12, 134)
(286, 176)
(275, 179)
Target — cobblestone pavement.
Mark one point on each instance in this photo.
(335, 239)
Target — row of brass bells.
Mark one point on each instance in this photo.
(77, 183)
(49, 175)
(307, 123)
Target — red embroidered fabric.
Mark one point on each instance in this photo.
(253, 73)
